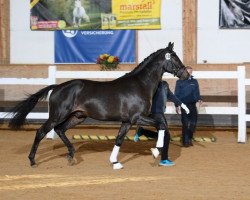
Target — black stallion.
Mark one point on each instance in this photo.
(126, 99)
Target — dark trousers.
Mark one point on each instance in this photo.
(163, 125)
(189, 122)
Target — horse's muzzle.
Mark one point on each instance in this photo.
(183, 74)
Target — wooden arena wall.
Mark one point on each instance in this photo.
(216, 92)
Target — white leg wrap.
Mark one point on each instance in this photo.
(114, 154)
(160, 140)
(155, 152)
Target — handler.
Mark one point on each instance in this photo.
(160, 98)
(188, 92)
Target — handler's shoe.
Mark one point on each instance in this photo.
(155, 152)
(166, 163)
(138, 134)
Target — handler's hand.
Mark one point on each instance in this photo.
(185, 108)
(200, 103)
(178, 109)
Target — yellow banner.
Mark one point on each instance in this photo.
(135, 14)
(33, 3)
(88, 14)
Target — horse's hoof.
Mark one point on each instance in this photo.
(71, 160)
(34, 165)
(117, 165)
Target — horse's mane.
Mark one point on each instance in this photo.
(139, 67)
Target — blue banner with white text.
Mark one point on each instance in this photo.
(75, 46)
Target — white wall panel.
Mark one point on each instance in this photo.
(150, 41)
(26, 46)
(219, 45)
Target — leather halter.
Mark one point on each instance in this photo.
(175, 69)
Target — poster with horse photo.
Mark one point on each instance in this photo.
(94, 14)
(234, 14)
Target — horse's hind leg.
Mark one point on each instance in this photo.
(41, 132)
(119, 139)
(143, 120)
(62, 128)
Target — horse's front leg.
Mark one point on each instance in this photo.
(74, 21)
(118, 142)
(160, 125)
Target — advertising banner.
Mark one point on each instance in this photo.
(74, 46)
(234, 14)
(94, 14)
(136, 14)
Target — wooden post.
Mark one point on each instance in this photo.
(1, 31)
(4, 32)
(189, 24)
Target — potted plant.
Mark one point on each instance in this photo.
(108, 62)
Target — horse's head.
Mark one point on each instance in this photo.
(164, 60)
(78, 3)
(172, 64)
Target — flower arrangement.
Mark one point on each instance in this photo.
(108, 62)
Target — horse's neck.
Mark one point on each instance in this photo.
(150, 76)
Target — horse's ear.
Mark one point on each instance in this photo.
(170, 46)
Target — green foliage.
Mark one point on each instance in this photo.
(63, 10)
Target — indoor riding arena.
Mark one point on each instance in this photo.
(74, 66)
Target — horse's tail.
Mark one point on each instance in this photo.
(21, 110)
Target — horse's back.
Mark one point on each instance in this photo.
(115, 100)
